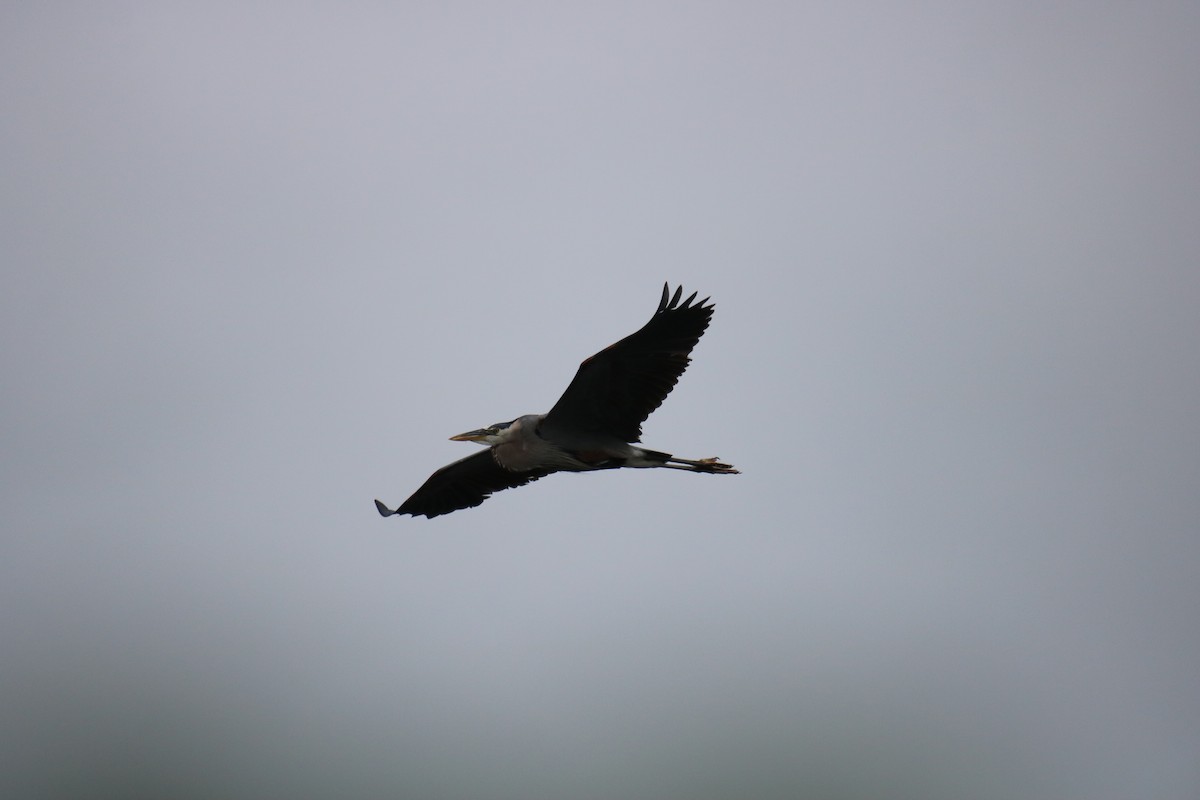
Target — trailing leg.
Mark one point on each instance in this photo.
(654, 458)
(710, 465)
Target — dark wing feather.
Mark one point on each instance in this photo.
(464, 484)
(615, 390)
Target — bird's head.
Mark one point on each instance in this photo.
(491, 435)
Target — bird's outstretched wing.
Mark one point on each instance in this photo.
(463, 484)
(615, 390)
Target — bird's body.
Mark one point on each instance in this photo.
(594, 425)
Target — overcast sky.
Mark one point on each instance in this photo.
(262, 259)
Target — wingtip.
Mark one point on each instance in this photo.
(670, 302)
(384, 511)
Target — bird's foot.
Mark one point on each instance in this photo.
(714, 466)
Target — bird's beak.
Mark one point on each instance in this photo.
(471, 436)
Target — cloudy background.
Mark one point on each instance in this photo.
(261, 260)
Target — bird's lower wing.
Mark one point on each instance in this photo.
(463, 484)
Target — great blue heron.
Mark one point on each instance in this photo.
(591, 426)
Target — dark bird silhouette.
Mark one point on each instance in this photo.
(594, 425)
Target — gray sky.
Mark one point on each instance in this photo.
(261, 260)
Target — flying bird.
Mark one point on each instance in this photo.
(594, 425)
